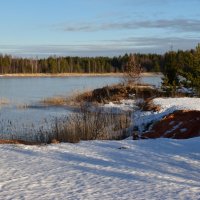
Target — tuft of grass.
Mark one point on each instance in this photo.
(4, 101)
(76, 99)
(55, 101)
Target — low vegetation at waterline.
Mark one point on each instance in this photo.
(86, 125)
(4, 101)
(81, 125)
(55, 101)
(113, 93)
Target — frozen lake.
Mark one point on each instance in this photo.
(18, 92)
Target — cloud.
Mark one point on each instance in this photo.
(178, 42)
(187, 25)
(104, 47)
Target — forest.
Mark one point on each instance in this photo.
(184, 60)
(172, 64)
(53, 64)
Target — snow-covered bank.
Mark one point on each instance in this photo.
(143, 169)
(167, 105)
(185, 103)
(142, 119)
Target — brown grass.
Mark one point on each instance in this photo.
(86, 125)
(148, 105)
(4, 101)
(55, 101)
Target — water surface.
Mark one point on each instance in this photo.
(29, 91)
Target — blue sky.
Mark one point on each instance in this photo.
(97, 27)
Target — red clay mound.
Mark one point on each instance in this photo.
(178, 125)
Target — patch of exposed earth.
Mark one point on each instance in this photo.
(181, 124)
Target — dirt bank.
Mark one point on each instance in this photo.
(178, 125)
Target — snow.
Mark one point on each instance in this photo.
(183, 130)
(185, 103)
(143, 169)
(186, 90)
(123, 105)
(174, 128)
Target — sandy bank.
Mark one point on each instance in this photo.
(72, 74)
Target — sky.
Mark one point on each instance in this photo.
(97, 27)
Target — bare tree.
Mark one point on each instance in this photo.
(132, 70)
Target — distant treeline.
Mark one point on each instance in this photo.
(53, 64)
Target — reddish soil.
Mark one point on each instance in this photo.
(17, 142)
(178, 125)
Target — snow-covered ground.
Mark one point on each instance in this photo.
(128, 169)
(123, 105)
(184, 103)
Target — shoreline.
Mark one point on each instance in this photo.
(29, 75)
